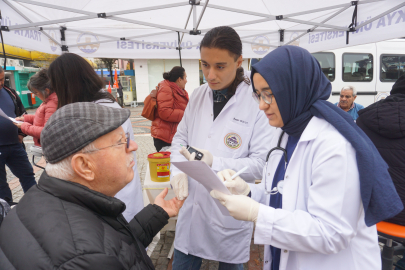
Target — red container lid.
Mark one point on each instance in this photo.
(159, 155)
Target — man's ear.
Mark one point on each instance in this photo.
(354, 98)
(83, 166)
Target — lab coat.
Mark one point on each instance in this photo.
(321, 223)
(131, 194)
(238, 137)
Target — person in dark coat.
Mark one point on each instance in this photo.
(71, 219)
(384, 123)
(12, 149)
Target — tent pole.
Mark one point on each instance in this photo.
(179, 48)
(63, 40)
(51, 38)
(201, 14)
(313, 28)
(185, 26)
(242, 24)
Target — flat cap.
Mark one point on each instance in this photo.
(76, 125)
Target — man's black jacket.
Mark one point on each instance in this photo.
(63, 225)
(18, 106)
(384, 124)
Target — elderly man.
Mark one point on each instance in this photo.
(71, 220)
(346, 102)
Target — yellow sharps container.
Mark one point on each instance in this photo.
(159, 166)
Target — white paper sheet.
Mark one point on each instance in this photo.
(3, 114)
(203, 174)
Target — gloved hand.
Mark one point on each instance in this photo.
(179, 184)
(239, 206)
(237, 186)
(207, 158)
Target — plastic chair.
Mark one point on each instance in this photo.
(393, 237)
(134, 104)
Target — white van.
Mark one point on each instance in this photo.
(372, 69)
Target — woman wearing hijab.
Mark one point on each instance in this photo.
(325, 185)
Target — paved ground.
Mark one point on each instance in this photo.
(141, 127)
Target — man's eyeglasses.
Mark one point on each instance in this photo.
(120, 143)
(266, 96)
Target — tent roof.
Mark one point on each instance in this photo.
(151, 29)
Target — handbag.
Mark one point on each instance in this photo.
(150, 106)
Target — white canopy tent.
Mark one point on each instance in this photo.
(152, 29)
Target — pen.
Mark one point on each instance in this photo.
(239, 173)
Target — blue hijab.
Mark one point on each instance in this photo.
(301, 90)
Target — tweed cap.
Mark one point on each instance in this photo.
(76, 125)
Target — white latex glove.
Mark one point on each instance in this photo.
(239, 206)
(237, 186)
(207, 158)
(179, 184)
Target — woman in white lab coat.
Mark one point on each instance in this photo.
(222, 120)
(325, 185)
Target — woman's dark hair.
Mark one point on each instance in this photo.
(226, 38)
(174, 74)
(40, 82)
(74, 80)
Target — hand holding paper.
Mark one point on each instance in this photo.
(203, 174)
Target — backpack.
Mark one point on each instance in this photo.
(150, 106)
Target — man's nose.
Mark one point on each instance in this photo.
(133, 146)
(211, 75)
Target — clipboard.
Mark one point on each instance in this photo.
(203, 174)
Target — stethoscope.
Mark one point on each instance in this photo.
(280, 184)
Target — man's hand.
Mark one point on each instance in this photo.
(239, 206)
(18, 124)
(179, 184)
(236, 186)
(207, 158)
(20, 138)
(172, 207)
(20, 118)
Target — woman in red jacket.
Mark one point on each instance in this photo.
(33, 124)
(171, 102)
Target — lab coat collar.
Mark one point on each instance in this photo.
(313, 128)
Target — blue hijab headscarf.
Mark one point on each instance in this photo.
(301, 90)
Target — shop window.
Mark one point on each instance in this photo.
(392, 67)
(357, 67)
(327, 62)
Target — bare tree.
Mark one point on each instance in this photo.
(43, 60)
(108, 63)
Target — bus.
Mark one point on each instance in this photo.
(371, 68)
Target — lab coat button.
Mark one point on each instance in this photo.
(266, 262)
(286, 176)
(196, 203)
(268, 174)
(209, 136)
(285, 251)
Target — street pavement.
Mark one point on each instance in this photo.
(141, 128)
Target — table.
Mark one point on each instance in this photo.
(150, 190)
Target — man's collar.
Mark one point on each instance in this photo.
(338, 104)
(78, 194)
